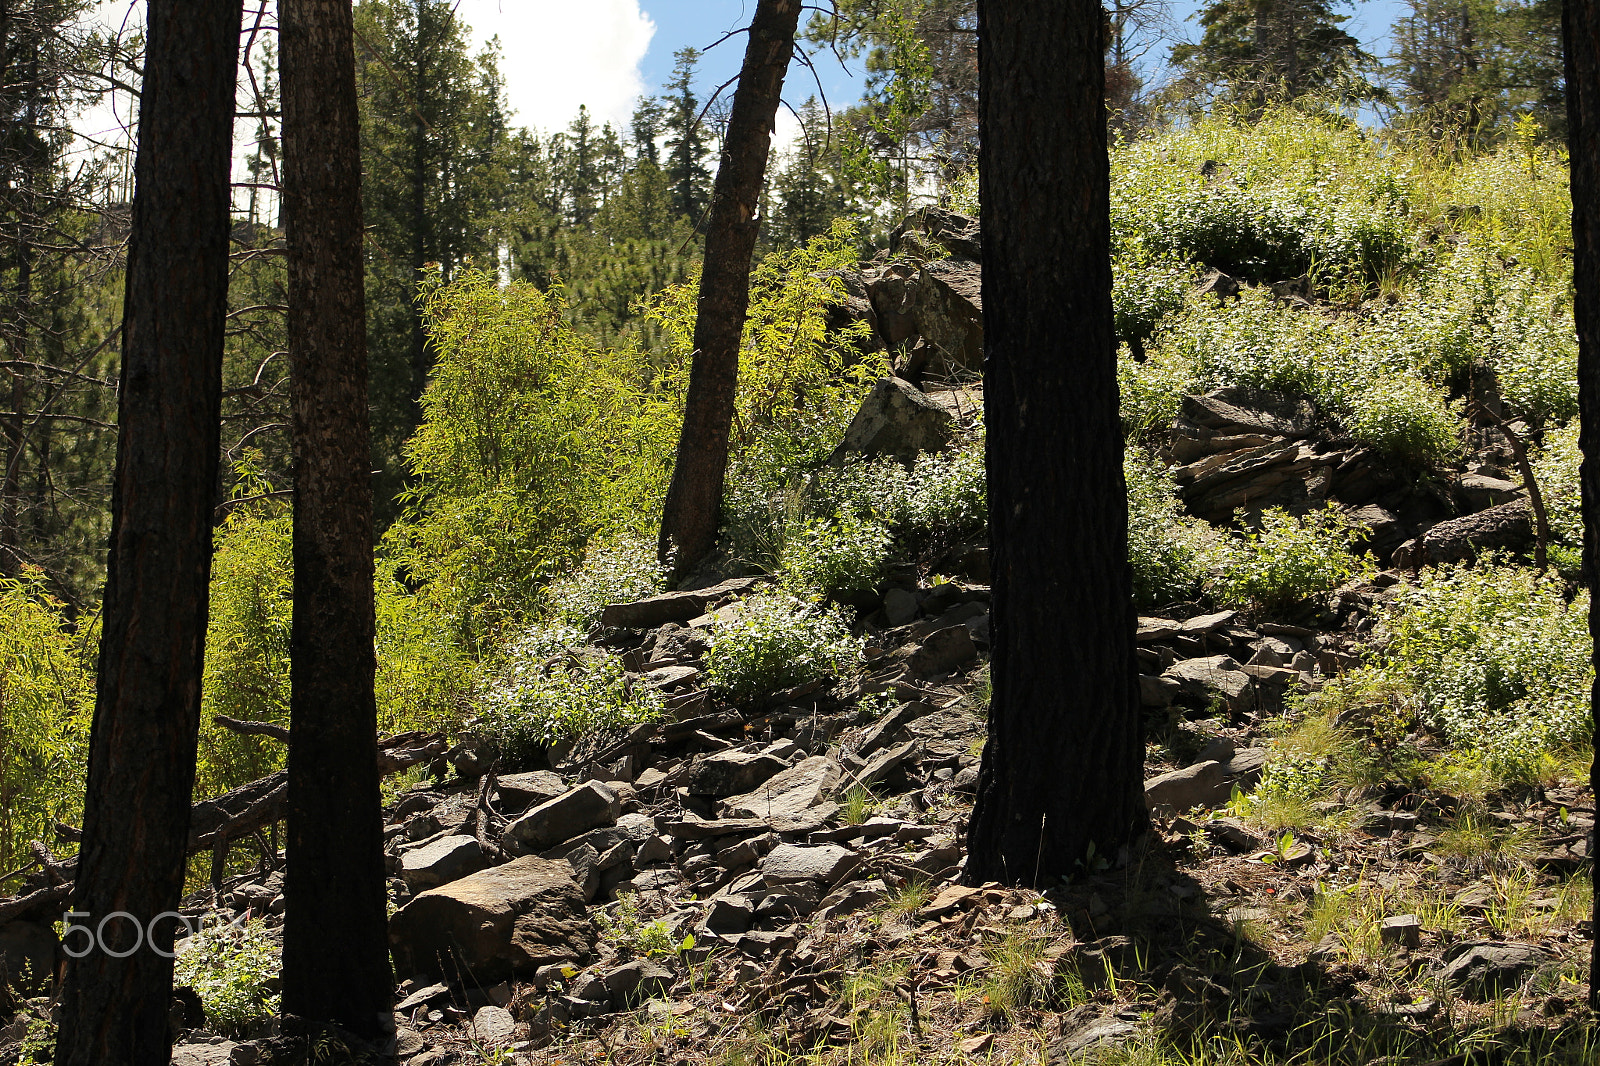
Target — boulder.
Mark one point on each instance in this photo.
(1201, 785)
(1510, 525)
(493, 1027)
(521, 791)
(638, 979)
(938, 231)
(1214, 677)
(789, 863)
(949, 314)
(496, 923)
(578, 810)
(440, 862)
(804, 785)
(895, 419)
(672, 606)
(1485, 969)
(942, 651)
(730, 773)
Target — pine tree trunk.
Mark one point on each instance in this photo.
(1581, 33)
(147, 706)
(694, 498)
(1062, 769)
(335, 944)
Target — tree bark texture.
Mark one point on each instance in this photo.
(694, 497)
(335, 945)
(1062, 769)
(147, 705)
(1581, 31)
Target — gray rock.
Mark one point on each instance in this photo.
(884, 731)
(203, 1054)
(788, 863)
(1157, 691)
(729, 915)
(446, 859)
(672, 606)
(1479, 491)
(498, 922)
(641, 979)
(899, 606)
(799, 788)
(943, 651)
(1510, 525)
(896, 419)
(1200, 785)
(521, 791)
(1402, 929)
(586, 807)
(1483, 970)
(27, 956)
(881, 765)
(1214, 677)
(493, 1027)
(730, 773)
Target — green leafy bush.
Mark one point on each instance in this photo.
(1497, 659)
(839, 555)
(615, 571)
(234, 971)
(1406, 419)
(1557, 468)
(775, 641)
(1165, 546)
(46, 705)
(542, 696)
(1287, 560)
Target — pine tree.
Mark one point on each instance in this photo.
(433, 141)
(1262, 50)
(685, 165)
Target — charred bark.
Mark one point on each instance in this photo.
(694, 497)
(1581, 32)
(1062, 769)
(335, 945)
(147, 705)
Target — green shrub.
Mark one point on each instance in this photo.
(46, 706)
(1288, 560)
(839, 555)
(234, 971)
(1557, 468)
(545, 694)
(1498, 661)
(1144, 293)
(775, 641)
(615, 571)
(247, 645)
(1165, 546)
(1406, 419)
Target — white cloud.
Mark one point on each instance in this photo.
(559, 54)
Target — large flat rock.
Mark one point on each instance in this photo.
(500, 922)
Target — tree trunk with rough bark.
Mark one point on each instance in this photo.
(147, 705)
(694, 498)
(335, 943)
(1062, 769)
(1581, 32)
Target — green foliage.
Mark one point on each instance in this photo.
(1144, 292)
(614, 571)
(1288, 560)
(247, 644)
(1557, 468)
(842, 555)
(775, 641)
(46, 705)
(545, 694)
(234, 970)
(1496, 659)
(627, 930)
(1406, 419)
(1166, 547)
(533, 442)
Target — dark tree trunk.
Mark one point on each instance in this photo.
(1062, 769)
(694, 498)
(335, 944)
(147, 706)
(1581, 32)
